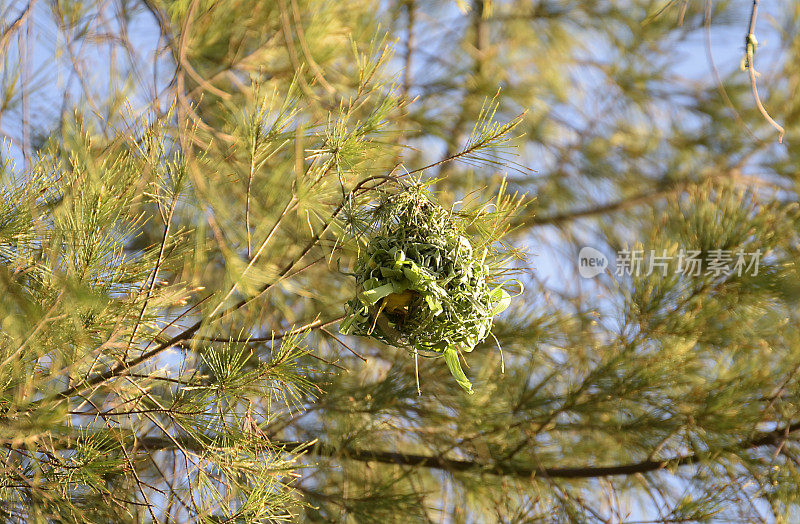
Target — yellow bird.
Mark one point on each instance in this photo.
(397, 303)
(393, 307)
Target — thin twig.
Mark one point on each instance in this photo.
(316, 323)
(301, 37)
(253, 150)
(5, 36)
(713, 66)
(410, 8)
(337, 339)
(156, 269)
(750, 49)
(292, 51)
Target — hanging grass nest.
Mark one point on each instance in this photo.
(421, 283)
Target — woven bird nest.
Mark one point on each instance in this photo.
(420, 284)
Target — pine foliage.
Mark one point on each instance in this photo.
(188, 187)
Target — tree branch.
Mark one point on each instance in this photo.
(644, 197)
(761, 439)
(625, 203)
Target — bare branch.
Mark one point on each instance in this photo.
(14, 26)
(751, 43)
(762, 439)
